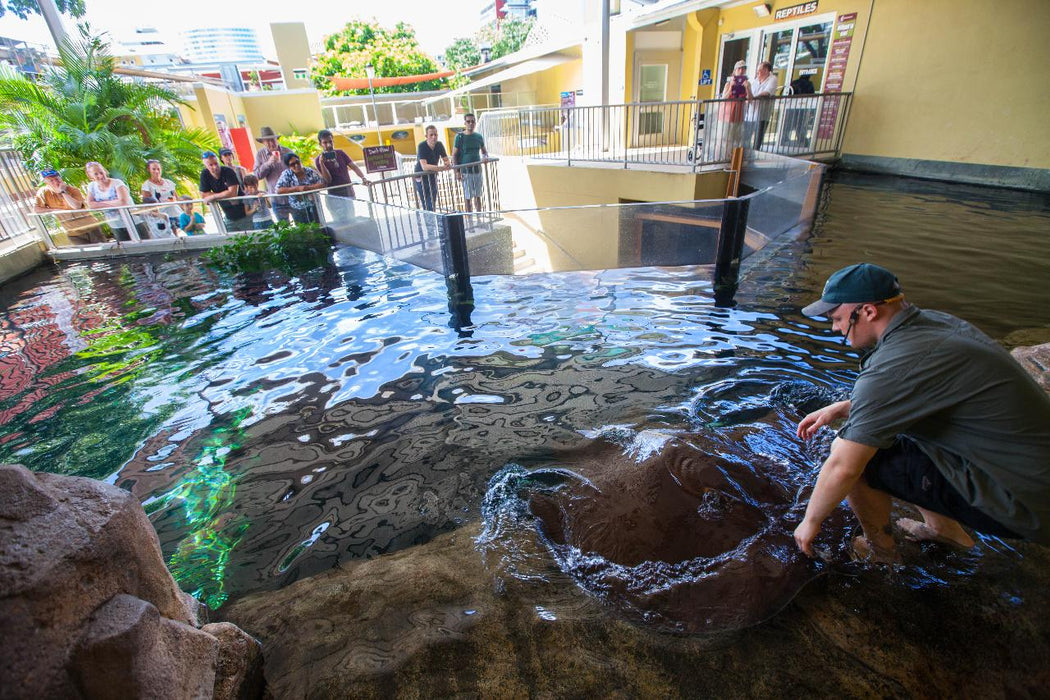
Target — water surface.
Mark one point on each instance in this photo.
(275, 427)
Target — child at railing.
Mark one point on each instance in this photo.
(190, 221)
(157, 225)
(257, 208)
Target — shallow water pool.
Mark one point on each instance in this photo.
(276, 427)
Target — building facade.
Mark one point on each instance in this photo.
(222, 45)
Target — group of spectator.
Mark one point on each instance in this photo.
(237, 192)
(222, 181)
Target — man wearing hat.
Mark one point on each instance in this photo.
(940, 417)
(57, 195)
(269, 166)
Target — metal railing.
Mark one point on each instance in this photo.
(406, 208)
(691, 134)
(17, 192)
(129, 226)
(408, 108)
(444, 191)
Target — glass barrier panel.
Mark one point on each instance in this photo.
(594, 237)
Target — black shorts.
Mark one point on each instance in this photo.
(905, 472)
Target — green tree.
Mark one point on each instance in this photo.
(508, 37)
(462, 53)
(393, 53)
(23, 8)
(502, 39)
(80, 110)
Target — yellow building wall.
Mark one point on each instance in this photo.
(954, 80)
(548, 84)
(628, 69)
(285, 111)
(707, 36)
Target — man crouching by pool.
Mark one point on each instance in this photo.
(940, 417)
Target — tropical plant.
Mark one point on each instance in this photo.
(392, 53)
(80, 110)
(303, 145)
(290, 248)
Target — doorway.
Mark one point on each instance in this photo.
(733, 50)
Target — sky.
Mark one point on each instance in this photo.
(435, 26)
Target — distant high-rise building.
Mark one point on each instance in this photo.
(222, 45)
(146, 47)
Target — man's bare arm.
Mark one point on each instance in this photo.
(840, 472)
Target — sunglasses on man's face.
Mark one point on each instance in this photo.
(293, 163)
(468, 121)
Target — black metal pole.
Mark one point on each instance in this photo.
(730, 247)
(457, 272)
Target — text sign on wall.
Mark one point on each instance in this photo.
(805, 8)
(836, 75)
(380, 159)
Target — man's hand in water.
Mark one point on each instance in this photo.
(804, 536)
(809, 425)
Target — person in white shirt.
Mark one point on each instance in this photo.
(760, 108)
(162, 190)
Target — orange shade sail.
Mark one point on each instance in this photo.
(362, 83)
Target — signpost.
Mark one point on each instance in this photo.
(380, 159)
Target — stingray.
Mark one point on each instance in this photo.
(687, 536)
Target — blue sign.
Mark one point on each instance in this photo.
(705, 76)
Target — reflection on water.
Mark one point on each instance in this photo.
(276, 427)
(977, 252)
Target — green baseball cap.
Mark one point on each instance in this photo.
(856, 284)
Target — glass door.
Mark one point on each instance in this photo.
(797, 50)
(652, 87)
(811, 53)
(777, 49)
(733, 49)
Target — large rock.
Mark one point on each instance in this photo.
(239, 675)
(87, 605)
(129, 651)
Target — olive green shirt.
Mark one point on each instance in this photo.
(978, 415)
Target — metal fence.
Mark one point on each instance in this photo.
(158, 225)
(444, 191)
(17, 192)
(692, 134)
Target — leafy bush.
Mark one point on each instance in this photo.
(290, 248)
(303, 145)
